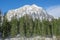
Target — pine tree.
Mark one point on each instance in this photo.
(14, 27)
(5, 28)
(58, 27)
(0, 19)
(55, 26)
(21, 26)
(35, 27)
(28, 25)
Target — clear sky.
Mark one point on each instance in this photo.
(6, 5)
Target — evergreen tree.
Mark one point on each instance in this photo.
(28, 25)
(21, 26)
(58, 27)
(0, 19)
(5, 28)
(54, 26)
(14, 27)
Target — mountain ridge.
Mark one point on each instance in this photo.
(33, 10)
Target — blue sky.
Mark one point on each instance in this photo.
(6, 5)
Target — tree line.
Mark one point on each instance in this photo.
(28, 27)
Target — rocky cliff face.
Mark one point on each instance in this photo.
(33, 10)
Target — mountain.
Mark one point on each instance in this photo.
(33, 10)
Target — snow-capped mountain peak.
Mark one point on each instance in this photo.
(33, 10)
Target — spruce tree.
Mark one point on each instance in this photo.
(21, 26)
(14, 27)
(5, 28)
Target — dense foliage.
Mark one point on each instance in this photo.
(28, 27)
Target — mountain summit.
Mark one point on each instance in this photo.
(33, 10)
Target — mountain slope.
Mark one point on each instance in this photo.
(33, 10)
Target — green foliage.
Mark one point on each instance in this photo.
(0, 19)
(5, 28)
(14, 27)
(21, 26)
(28, 27)
(58, 27)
